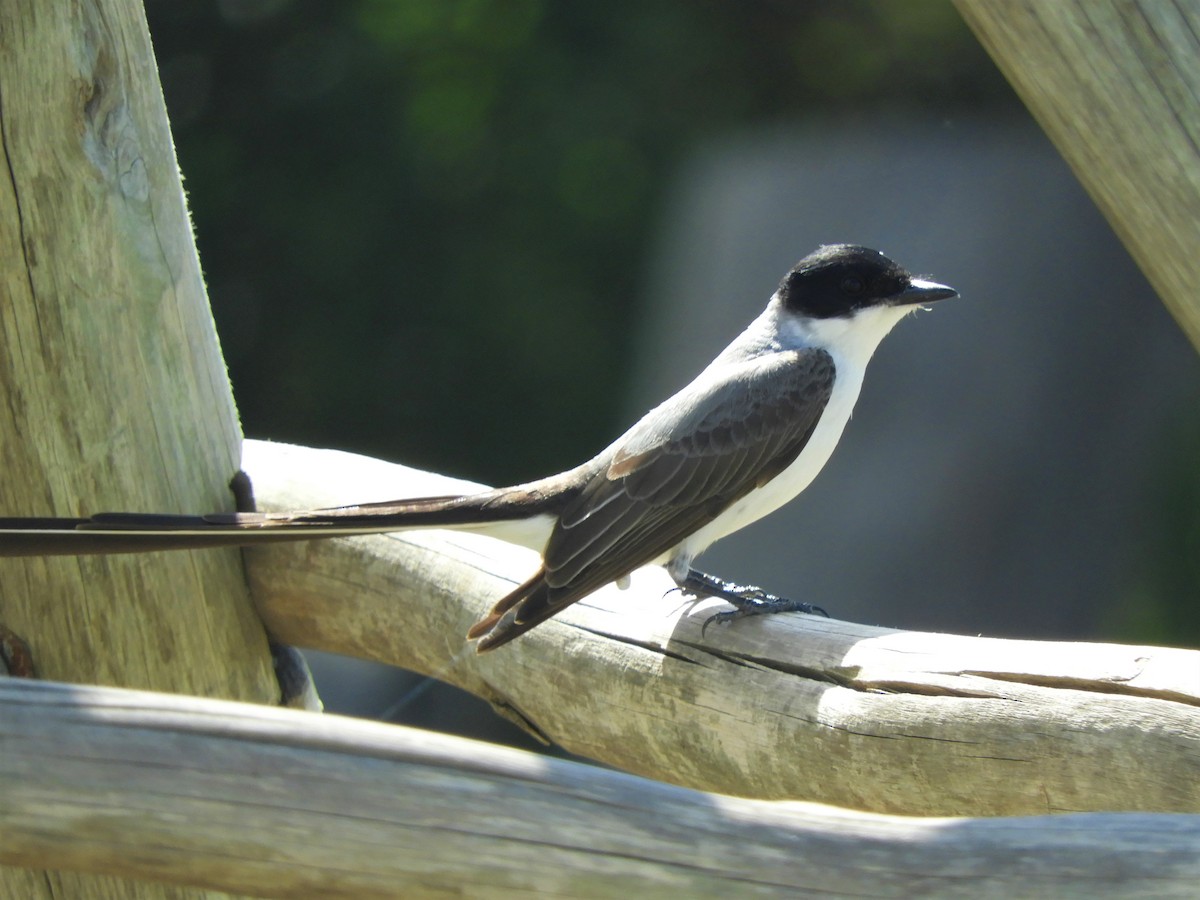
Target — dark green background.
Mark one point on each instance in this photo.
(425, 223)
(399, 202)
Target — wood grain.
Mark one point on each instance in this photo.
(788, 707)
(1116, 86)
(279, 803)
(113, 393)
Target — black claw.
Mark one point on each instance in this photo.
(748, 599)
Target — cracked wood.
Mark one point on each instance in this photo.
(785, 707)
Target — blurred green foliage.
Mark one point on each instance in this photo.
(423, 222)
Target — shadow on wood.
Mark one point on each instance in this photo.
(786, 707)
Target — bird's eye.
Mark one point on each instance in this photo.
(853, 285)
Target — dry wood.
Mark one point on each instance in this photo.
(1116, 86)
(113, 393)
(286, 804)
(111, 376)
(789, 707)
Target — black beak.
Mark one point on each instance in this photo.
(921, 291)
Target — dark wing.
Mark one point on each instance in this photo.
(675, 471)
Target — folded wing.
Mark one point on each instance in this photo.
(675, 471)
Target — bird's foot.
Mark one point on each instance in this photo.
(747, 599)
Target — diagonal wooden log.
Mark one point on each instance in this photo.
(788, 707)
(1115, 84)
(112, 387)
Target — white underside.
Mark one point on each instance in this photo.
(533, 532)
(851, 343)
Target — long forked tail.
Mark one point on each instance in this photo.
(142, 532)
(523, 515)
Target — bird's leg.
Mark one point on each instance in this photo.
(748, 599)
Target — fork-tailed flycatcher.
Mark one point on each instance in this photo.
(745, 437)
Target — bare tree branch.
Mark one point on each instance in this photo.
(279, 803)
(786, 707)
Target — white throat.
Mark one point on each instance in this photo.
(850, 341)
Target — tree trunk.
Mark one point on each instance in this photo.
(113, 393)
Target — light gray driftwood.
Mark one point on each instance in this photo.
(1116, 86)
(280, 803)
(788, 707)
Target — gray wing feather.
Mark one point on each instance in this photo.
(673, 472)
(682, 465)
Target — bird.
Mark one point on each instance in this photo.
(744, 437)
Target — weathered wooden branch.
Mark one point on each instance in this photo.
(112, 388)
(279, 803)
(1116, 86)
(108, 365)
(788, 707)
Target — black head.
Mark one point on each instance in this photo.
(837, 280)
